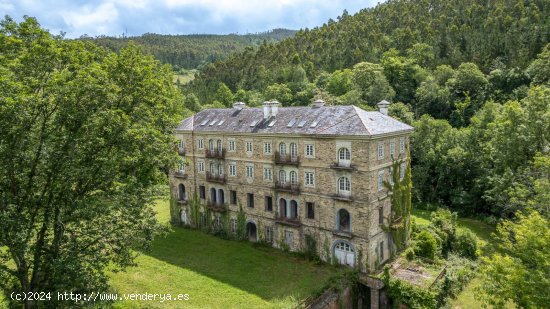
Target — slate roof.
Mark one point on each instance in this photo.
(325, 120)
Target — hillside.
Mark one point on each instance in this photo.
(490, 33)
(196, 50)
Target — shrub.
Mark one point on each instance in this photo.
(466, 244)
(409, 253)
(426, 245)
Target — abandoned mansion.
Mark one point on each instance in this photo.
(297, 172)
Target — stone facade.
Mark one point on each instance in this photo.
(326, 183)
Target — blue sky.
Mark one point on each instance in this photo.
(135, 17)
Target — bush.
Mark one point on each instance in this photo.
(466, 244)
(426, 245)
(409, 253)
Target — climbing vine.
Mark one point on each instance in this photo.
(174, 211)
(241, 224)
(194, 206)
(399, 225)
(401, 292)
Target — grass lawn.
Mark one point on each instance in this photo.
(218, 273)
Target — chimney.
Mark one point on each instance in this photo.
(267, 109)
(383, 107)
(239, 105)
(318, 103)
(274, 107)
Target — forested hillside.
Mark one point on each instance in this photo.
(471, 76)
(193, 51)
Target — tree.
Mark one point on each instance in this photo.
(539, 70)
(520, 272)
(224, 95)
(279, 92)
(86, 135)
(369, 77)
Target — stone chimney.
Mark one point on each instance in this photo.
(383, 107)
(274, 107)
(239, 105)
(270, 108)
(318, 103)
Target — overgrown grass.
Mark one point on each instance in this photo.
(219, 273)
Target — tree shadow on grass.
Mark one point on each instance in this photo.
(266, 272)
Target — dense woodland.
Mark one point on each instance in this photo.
(471, 76)
(193, 51)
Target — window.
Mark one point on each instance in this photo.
(344, 220)
(212, 168)
(267, 148)
(392, 148)
(282, 149)
(402, 171)
(344, 184)
(202, 192)
(344, 154)
(233, 226)
(310, 178)
(268, 203)
(211, 145)
(282, 176)
(380, 180)
(293, 177)
(293, 150)
(382, 250)
(200, 143)
(180, 144)
(182, 166)
(231, 145)
(201, 166)
(219, 145)
(220, 169)
(250, 200)
(310, 210)
(269, 234)
(250, 171)
(233, 197)
(402, 145)
(248, 146)
(232, 169)
(380, 151)
(381, 215)
(310, 150)
(268, 173)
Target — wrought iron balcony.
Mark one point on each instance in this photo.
(288, 221)
(215, 178)
(286, 159)
(286, 186)
(180, 174)
(216, 206)
(343, 196)
(345, 166)
(181, 151)
(215, 153)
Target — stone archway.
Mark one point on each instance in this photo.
(252, 231)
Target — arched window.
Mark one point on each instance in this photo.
(211, 145)
(219, 145)
(293, 209)
(220, 169)
(344, 220)
(282, 208)
(213, 196)
(282, 176)
(344, 154)
(344, 184)
(282, 149)
(181, 192)
(293, 150)
(293, 177)
(212, 168)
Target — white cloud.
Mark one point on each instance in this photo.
(92, 20)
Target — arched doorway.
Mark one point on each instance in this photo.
(221, 197)
(343, 220)
(344, 253)
(181, 192)
(213, 198)
(282, 207)
(251, 231)
(293, 209)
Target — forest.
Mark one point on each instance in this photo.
(192, 51)
(471, 76)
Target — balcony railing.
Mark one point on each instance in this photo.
(180, 174)
(286, 186)
(343, 196)
(346, 166)
(287, 159)
(215, 178)
(181, 151)
(216, 206)
(183, 201)
(215, 153)
(288, 221)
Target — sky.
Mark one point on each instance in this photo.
(135, 17)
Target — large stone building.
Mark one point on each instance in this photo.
(295, 171)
